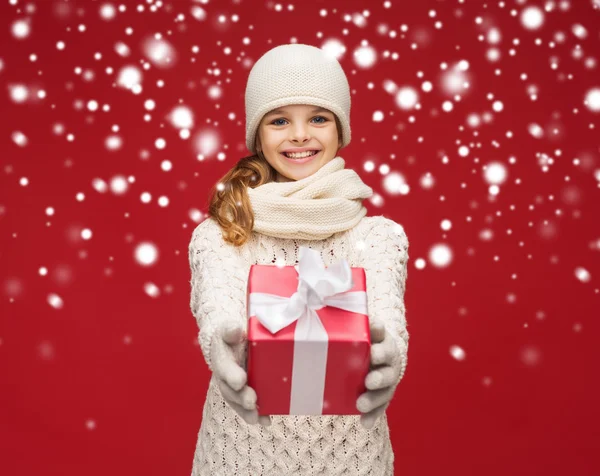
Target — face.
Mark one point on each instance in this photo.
(298, 126)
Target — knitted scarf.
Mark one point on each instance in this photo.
(312, 208)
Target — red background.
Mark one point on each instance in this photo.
(113, 382)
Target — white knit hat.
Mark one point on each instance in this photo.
(296, 74)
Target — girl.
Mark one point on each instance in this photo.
(295, 191)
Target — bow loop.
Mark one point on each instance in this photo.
(318, 287)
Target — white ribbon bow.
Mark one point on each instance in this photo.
(317, 287)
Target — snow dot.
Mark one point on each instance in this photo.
(453, 80)
(457, 352)
(152, 290)
(198, 13)
(86, 234)
(446, 225)
(19, 138)
(334, 48)
(497, 106)
(55, 301)
(359, 20)
(149, 104)
(160, 143)
(159, 52)
(107, 11)
(427, 181)
(420, 263)
(407, 97)
(579, 31)
(181, 117)
(473, 119)
(493, 36)
(122, 49)
(92, 105)
(532, 18)
(536, 130)
(447, 106)
(99, 185)
(377, 116)
(118, 184)
(495, 173)
(582, 274)
(427, 86)
(365, 56)
(90, 424)
(21, 28)
(215, 92)
(146, 254)
(1, 64)
(166, 165)
(394, 183)
(440, 255)
(113, 142)
(463, 151)
(493, 54)
(592, 99)
(129, 77)
(19, 92)
(207, 143)
(463, 65)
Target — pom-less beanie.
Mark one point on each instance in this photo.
(296, 74)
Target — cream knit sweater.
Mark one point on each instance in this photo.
(294, 445)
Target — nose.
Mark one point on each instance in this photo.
(300, 133)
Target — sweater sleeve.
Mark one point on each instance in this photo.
(386, 257)
(218, 283)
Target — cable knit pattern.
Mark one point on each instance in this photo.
(298, 445)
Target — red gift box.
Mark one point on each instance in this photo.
(311, 358)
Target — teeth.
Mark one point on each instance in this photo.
(300, 155)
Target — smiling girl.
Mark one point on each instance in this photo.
(294, 191)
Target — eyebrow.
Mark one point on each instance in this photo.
(282, 111)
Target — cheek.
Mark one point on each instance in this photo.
(272, 140)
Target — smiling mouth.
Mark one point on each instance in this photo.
(313, 153)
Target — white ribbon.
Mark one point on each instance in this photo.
(317, 287)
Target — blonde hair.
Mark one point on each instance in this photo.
(229, 203)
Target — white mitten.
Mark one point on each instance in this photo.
(227, 356)
(381, 381)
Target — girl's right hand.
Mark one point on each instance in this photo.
(227, 355)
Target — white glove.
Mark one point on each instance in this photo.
(381, 382)
(227, 356)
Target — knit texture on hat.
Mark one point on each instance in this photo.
(296, 74)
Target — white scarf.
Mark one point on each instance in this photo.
(312, 208)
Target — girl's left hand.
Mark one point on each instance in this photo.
(381, 381)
